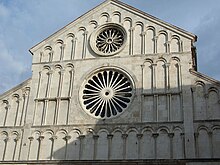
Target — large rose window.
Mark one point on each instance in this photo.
(107, 93)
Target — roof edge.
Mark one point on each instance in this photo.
(204, 77)
(21, 85)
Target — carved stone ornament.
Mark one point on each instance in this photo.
(108, 39)
(106, 93)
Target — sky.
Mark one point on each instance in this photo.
(24, 23)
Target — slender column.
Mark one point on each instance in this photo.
(18, 105)
(181, 46)
(41, 56)
(62, 47)
(51, 53)
(84, 44)
(167, 46)
(81, 137)
(155, 135)
(131, 30)
(156, 108)
(53, 138)
(61, 82)
(169, 101)
(196, 135)
(39, 84)
(109, 137)
(143, 34)
(7, 108)
(23, 107)
(183, 145)
(16, 142)
(44, 112)
(155, 44)
(39, 147)
(210, 144)
(142, 92)
(154, 77)
(167, 76)
(6, 142)
(124, 137)
(139, 136)
(66, 138)
(49, 83)
(171, 135)
(72, 72)
(95, 137)
(74, 48)
(29, 147)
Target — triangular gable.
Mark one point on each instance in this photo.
(125, 7)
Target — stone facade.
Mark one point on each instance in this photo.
(115, 84)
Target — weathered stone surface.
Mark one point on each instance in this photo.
(116, 84)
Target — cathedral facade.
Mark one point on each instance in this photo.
(116, 85)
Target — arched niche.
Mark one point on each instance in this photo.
(147, 150)
(102, 145)
(213, 104)
(161, 42)
(204, 148)
(59, 145)
(46, 146)
(88, 147)
(73, 146)
(117, 145)
(137, 37)
(149, 40)
(163, 145)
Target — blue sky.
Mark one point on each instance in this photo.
(24, 23)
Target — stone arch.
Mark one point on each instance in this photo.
(163, 143)
(138, 37)
(68, 78)
(102, 144)
(216, 141)
(116, 17)
(127, 24)
(43, 80)
(148, 77)
(46, 145)
(132, 144)
(147, 148)
(178, 143)
(3, 111)
(12, 110)
(204, 147)
(94, 23)
(58, 50)
(88, 145)
(175, 44)
(46, 55)
(199, 100)
(73, 145)
(162, 42)
(213, 103)
(12, 149)
(117, 144)
(59, 145)
(3, 144)
(150, 40)
(80, 38)
(34, 145)
(104, 17)
(69, 47)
